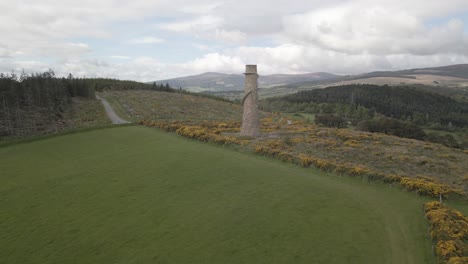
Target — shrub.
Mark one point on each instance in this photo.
(358, 170)
(449, 230)
(446, 249)
(207, 131)
(351, 143)
(284, 149)
(305, 160)
(458, 260)
(330, 120)
(424, 186)
(392, 126)
(446, 140)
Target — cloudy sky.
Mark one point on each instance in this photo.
(149, 40)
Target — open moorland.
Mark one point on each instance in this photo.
(144, 104)
(139, 195)
(452, 79)
(378, 153)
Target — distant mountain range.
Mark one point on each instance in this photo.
(457, 71)
(231, 85)
(216, 82)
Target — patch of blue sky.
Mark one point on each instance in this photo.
(174, 48)
(435, 22)
(262, 41)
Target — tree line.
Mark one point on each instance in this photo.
(35, 103)
(404, 103)
(102, 84)
(399, 111)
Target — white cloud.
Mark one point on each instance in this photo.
(339, 36)
(352, 29)
(230, 36)
(212, 62)
(208, 27)
(198, 24)
(17, 66)
(119, 57)
(294, 58)
(287, 58)
(200, 47)
(199, 8)
(43, 48)
(145, 40)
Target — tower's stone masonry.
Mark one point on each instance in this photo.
(250, 118)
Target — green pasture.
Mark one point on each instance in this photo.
(138, 195)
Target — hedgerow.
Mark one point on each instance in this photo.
(449, 231)
(449, 228)
(283, 149)
(207, 132)
(426, 186)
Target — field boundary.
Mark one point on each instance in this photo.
(58, 134)
(212, 132)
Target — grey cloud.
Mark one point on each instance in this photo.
(337, 36)
(353, 29)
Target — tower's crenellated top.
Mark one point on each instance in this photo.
(250, 69)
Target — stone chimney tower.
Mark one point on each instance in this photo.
(250, 118)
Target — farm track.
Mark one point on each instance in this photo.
(111, 113)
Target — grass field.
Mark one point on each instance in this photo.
(378, 152)
(86, 113)
(138, 195)
(135, 105)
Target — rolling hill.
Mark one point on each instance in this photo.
(135, 105)
(392, 101)
(453, 76)
(457, 71)
(214, 81)
(449, 80)
(447, 76)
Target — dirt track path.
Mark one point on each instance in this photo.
(111, 113)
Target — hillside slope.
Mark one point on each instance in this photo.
(392, 101)
(453, 78)
(213, 81)
(379, 152)
(457, 71)
(41, 103)
(145, 104)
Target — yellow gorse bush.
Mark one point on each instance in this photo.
(447, 249)
(448, 227)
(458, 260)
(207, 132)
(283, 149)
(449, 230)
(427, 186)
